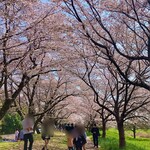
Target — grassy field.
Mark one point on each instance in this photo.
(58, 142)
(142, 142)
(9, 146)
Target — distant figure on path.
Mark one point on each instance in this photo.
(16, 135)
(28, 124)
(96, 134)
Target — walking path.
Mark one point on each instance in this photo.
(58, 142)
(89, 145)
(10, 136)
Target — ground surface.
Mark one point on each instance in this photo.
(58, 142)
(142, 142)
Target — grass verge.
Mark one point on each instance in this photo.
(111, 141)
(58, 142)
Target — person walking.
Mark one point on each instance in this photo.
(96, 134)
(84, 136)
(79, 139)
(28, 124)
(47, 132)
(69, 134)
(78, 143)
(70, 141)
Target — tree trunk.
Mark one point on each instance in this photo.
(134, 131)
(5, 108)
(20, 113)
(35, 128)
(149, 45)
(7, 102)
(37, 122)
(103, 129)
(122, 142)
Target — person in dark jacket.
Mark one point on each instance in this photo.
(79, 138)
(82, 133)
(78, 142)
(96, 134)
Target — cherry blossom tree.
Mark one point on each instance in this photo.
(112, 93)
(46, 95)
(27, 45)
(116, 32)
(116, 29)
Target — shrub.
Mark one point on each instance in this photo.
(10, 123)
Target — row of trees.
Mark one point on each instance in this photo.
(111, 42)
(52, 52)
(30, 77)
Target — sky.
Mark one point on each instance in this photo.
(44, 1)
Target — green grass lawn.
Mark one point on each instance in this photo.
(9, 146)
(58, 142)
(111, 141)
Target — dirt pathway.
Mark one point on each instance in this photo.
(58, 142)
(10, 136)
(89, 145)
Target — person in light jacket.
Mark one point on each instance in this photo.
(28, 125)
